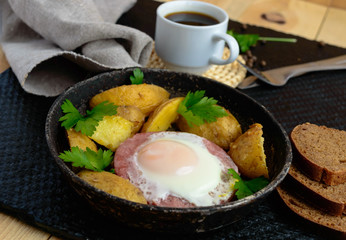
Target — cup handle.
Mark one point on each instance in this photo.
(232, 45)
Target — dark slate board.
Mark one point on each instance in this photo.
(33, 189)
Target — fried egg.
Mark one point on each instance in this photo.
(182, 165)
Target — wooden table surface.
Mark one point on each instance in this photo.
(322, 20)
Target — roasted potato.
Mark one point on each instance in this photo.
(112, 131)
(247, 152)
(133, 114)
(221, 132)
(163, 116)
(78, 139)
(114, 185)
(144, 96)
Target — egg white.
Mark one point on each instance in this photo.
(204, 186)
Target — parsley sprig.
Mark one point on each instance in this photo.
(197, 109)
(86, 124)
(137, 77)
(245, 41)
(247, 188)
(89, 159)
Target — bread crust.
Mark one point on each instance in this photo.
(315, 186)
(310, 142)
(331, 199)
(305, 210)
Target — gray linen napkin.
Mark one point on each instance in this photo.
(52, 44)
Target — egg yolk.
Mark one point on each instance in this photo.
(168, 157)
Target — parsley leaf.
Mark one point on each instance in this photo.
(247, 188)
(243, 190)
(86, 124)
(197, 109)
(72, 115)
(245, 41)
(257, 184)
(137, 77)
(96, 161)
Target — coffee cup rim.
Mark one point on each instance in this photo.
(161, 13)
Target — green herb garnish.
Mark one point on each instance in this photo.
(247, 188)
(89, 159)
(197, 109)
(85, 124)
(137, 77)
(245, 41)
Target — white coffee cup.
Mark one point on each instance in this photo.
(191, 48)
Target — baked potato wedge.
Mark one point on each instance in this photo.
(113, 185)
(112, 131)
(221, 132)
(163, 116)
(144, 96)
(78, 139)
(247, 152)
(133, 114)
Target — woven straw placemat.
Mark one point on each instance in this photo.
(231, 74)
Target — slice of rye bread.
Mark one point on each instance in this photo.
(331, 199)
(321, 151)
(305, 210)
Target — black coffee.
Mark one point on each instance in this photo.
(192, 18)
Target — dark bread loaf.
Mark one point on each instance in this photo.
(318, 163)
(331, 199)
(305, 210)
(321, 152)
